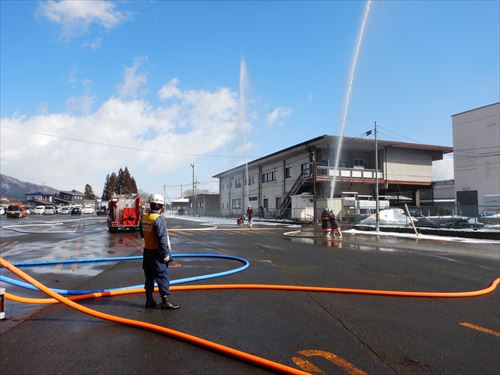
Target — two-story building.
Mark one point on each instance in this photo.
(308, 167)
(39, 198)
(204, 204)
(72, 197)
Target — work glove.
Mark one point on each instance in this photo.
(167, 259)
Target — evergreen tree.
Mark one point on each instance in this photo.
(127, 181)
(89, 193)
(113, 183)
(123, 183)
(105, 191)
(120, 187)
(133, 186)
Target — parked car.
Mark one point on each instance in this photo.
(2, 211)
(88, 210)
(16, 211)
(50, 210)
(28, 210)
(39, 210)
(65, 211)
(76, 211)
(102, 211)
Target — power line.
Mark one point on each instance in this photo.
(124, 147)
(399, 135)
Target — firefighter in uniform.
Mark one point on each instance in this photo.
(325, 220)
(335, 229)
(156, 254)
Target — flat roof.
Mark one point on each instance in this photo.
(470, 110)
(347, 141)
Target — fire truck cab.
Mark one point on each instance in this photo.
(124, 213)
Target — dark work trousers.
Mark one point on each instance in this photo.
(155, 269)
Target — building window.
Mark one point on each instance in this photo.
(269, 176)
(358, 163)
(236, 204)
(237, 183)
(278, 202)
(266, 203)
(251, 199)
(305, 168)
(288, 172)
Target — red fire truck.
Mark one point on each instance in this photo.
(124, 213)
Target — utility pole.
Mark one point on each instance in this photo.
(194, 196)
(377, 205)
(314, 184)
(164, 199)
(181, 192)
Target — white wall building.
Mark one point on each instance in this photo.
(308, 168)
(476, 148)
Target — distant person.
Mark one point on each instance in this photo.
(250, 215)
(325, 223)
(261, 212)
(335, 229)
(153, 229)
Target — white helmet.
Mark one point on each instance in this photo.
(157, 198)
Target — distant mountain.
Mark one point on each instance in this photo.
(11, 187)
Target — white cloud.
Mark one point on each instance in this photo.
(169, 90)
(80, 104)
(278, 114)
(443, 169)
(133, 81)
(199, 122)
(75, 16)
(244, 149)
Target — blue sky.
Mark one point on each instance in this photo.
(165, 76)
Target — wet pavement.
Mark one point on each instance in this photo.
(316, 332)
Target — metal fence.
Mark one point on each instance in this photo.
(436, 216)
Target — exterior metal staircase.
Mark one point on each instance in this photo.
(282, 209)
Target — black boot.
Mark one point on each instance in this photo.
(150, 302)
(166, 303)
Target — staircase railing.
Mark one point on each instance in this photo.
(288, 199)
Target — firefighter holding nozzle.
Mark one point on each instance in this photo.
(329, 225)
(153, 230)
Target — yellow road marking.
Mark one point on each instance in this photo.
(8, 245)
(481, 329)
(335, 359)
(305, 365)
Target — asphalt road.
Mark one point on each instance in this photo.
(316, 332)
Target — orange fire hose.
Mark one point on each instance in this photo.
(388, 293)
(242, 356)
(208, 344)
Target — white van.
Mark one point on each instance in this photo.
(39, 210)
(88, 209)
(50, 210)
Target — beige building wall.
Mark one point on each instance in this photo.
(407, 165)
(476, 143)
